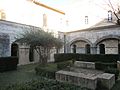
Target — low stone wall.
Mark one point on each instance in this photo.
(88, 81)
(82, 64)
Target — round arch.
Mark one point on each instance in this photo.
(80, 39)
(106, 38)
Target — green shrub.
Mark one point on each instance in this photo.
(43, 84)
(107, 58)
(63, 65)
(47, 70)
(102, 65)
(8, 63)
(65, 57)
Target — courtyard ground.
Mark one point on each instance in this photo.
(22, 74)
(26, 73)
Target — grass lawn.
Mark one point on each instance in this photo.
(26, 73)
(22, 74)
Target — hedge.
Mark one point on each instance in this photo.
(43, 84)
(63, 65)
(107, 58)
(103, 66)
(8, 63)
(50, 69)
(47, 70)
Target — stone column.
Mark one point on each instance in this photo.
(93, 49)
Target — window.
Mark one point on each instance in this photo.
(44, 20)
(31, 54)
(67, 23)
(86, 19)
(118, 48)
(87, 49)
(74, 48)
(2, 15)
(102, 48)
(109, 15)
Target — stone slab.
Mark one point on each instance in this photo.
(88, 81)
(106, 79)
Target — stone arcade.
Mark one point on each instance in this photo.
(102, 38)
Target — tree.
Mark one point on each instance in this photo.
(113, 5)
(41, 41)
(115, 11)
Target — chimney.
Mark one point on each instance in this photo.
(109, 15)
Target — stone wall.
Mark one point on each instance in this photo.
(9, 32)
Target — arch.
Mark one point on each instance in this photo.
(14, 49)
(105, 38)
(80, 39)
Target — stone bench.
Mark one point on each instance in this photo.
(106, 79)
(88, 81)
(82, 64)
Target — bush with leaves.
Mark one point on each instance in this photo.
(43, 84)
(41, 41)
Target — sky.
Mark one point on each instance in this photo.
(23, 11)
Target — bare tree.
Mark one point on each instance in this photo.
(113, 5)
(115, 11)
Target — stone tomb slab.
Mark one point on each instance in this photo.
(88, 81)
(106, 79)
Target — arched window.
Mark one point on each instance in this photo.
(102, 48)
(87, 49)
(74, 48)
(109, 15)
(31, 54)
(118, 48)
(14, 49)
(86, 19)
